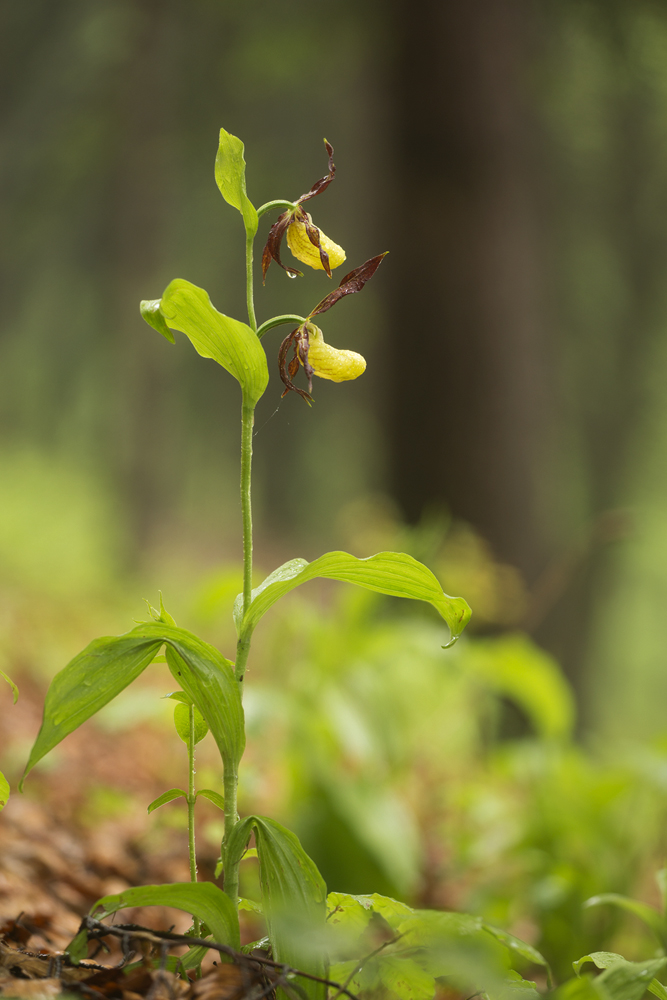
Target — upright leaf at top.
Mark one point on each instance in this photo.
(232, 344)
(230, 178)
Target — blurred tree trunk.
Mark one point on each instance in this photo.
(468, 400)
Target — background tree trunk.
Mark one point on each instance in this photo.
(468, 398)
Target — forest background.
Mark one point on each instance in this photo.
(509, 431)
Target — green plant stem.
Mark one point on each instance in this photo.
(191, 812)
(231, 778)
(250, 297)
(247, 422)
(231, 884)
(276, 203)
(279, 321)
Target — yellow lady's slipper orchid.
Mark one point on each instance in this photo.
(305, 240)
(311, 352)
(329, 362)
(304, 250)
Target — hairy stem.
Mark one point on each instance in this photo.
(250, 297)
(231, 884)
(247, 421)
(191, 812)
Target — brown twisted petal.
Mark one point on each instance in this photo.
(287, 373)
(351, 283)
(324, 182)
(272, 249)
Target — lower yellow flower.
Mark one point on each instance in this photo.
(304, 250)
(329, 362)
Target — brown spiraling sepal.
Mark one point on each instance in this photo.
(351, 283)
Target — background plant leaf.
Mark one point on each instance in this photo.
(234, 346)
(393, 573)
(230, 178)
(646, 914)
(203, 899)
(293, 896)
(628, 980)
(4, 791)
(518, 947)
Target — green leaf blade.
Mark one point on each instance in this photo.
(394, 573)
(150, 312)
(293, 896)
(203, 899)
(230, 178)
(207, 678)
(215, 797)
(232, 344)
(89, 682)
(169, 796)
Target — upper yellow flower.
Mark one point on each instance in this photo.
(305, 240)
(306, 251)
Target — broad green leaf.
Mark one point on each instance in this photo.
(457, 945)
(4, 791)
(405, 978)
(389, 909)
(349, 913)
(232, 344)
(214, 797)
(393, 573)
(579, 989)
(515, 988)
(150, 311)
(645, 913)
(628, 980)
(88, 683)
(600, 959)
(108, 665)
(605, 960)
(518, 947)
(182, 723)
(15, 690)
(230, 178)
(161, 800)
(203, 899)
(293, 896)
